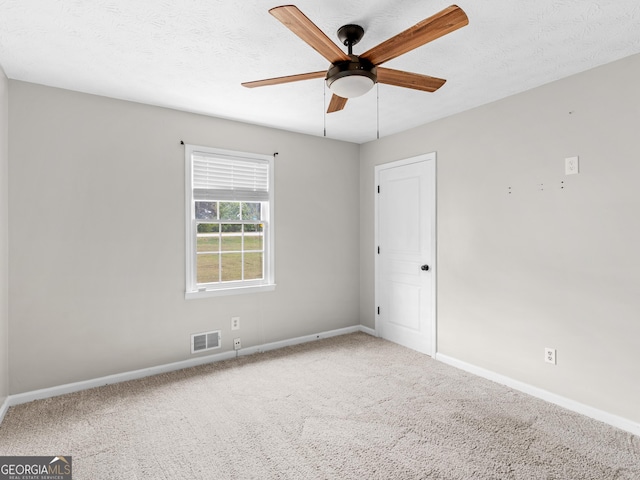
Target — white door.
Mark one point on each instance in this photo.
(405, 266)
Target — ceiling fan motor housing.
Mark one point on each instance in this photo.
(361, 71)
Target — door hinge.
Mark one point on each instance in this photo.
(378, 310)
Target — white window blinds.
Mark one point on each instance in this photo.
(225, 177)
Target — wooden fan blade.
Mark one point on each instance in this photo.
(446, 21)
(287, 79)
(296, 21)
(336, 104)
(409, 80)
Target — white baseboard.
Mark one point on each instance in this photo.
(600, 415)
(3, 409)
(265, 347)
(20, 398)
(368, 331)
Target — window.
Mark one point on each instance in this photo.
(229, 222)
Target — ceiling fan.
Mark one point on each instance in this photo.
(352, 75)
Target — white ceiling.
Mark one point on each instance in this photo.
(193, 54)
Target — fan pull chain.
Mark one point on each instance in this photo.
(378, 111)
(324, 107)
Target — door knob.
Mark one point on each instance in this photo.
(424, 267)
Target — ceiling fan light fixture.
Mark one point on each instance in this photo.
(352, 86)
(351, 78)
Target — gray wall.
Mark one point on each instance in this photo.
(97, 241)
(551, 264)
(4, 237)
(97, 237)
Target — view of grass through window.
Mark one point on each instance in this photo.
(230, 242)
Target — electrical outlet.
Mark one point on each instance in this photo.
(571, 166)
(236, 344)
(235, 323)
(550, 355)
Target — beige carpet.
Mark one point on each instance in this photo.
(350, 407)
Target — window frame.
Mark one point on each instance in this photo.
(192, 288)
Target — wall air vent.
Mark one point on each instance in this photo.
(201, 342)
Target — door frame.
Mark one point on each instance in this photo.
(425, 157)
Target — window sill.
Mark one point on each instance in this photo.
(219, 292)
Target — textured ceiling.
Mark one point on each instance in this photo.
(193, 54)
